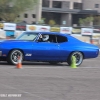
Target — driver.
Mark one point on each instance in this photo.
(46, 38)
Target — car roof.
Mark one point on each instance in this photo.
(55, 33)
(50, 33)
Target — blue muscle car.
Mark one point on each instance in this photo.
(49, 47)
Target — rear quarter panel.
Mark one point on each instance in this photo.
(88, 50)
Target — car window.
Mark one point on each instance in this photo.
(61, 39)
(47, 38)
(27, 36)
(52, 38)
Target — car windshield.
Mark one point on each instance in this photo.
(27, 36)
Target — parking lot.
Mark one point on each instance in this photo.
(41, 81)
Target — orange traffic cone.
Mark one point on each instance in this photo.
(19, 63)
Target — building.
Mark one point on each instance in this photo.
(64, 12)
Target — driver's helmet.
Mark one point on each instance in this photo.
(45, 37)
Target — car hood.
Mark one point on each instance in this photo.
(2, 41)
(15, 44)
(13, 41)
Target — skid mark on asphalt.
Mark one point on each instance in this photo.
(33, 95)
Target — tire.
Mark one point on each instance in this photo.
(13, 57)
(79, 58)
(53, 63)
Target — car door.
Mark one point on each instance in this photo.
(63, 47)
(46, 51)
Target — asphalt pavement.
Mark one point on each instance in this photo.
(41, 81)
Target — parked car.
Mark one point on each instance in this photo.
(49, 47)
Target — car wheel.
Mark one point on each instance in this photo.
(53, 63)
(78, 56)
(13, 56)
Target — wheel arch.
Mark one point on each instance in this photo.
(69, 58)
(76, 51)
(15, 49)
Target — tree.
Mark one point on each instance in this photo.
(52, 22)
(42, 21)
(10, 9)
(86, 21)
(97, 20)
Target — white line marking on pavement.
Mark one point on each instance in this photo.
(90, 67)
(47, 67)
(36, 67)
(58, 67)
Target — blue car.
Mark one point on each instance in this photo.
(49, 47)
